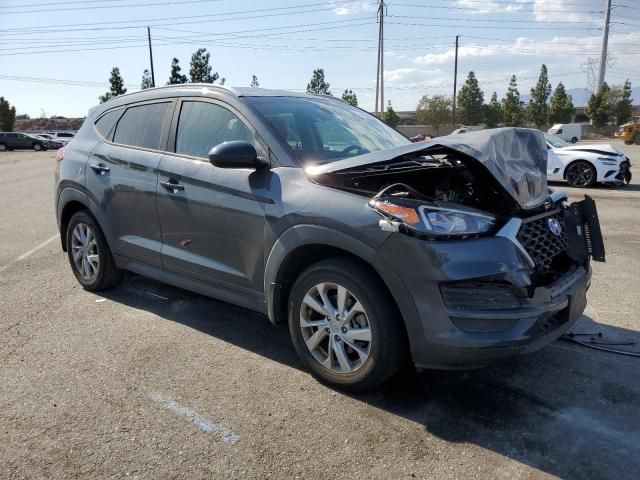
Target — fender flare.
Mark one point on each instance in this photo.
(77, 193)
(300, 235)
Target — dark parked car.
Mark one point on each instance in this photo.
(452, 253)
(22, 141)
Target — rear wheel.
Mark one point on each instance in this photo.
(574, 140)
(344, 326)
(637, 140)
(37, 147)
(581, 174)
(89, 254)
(3, 147)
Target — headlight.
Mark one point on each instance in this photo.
(608, 160)
(438, 220)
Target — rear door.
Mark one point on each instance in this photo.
(212, 218)
(123, 175)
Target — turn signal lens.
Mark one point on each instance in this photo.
(405, 214)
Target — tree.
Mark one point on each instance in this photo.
(538, 109)
(317, 84)
(470, 100)
(7, 116)
(200, 70)
(434, 111)
(512, 111)
(350, 97)
(117, 86)
(146, 80)
(176, 77)
(492, 112)
(390, 117)
(621, 108)
(254, 81)
(598, 108)
(562, 108)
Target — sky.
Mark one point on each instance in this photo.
(57, 55)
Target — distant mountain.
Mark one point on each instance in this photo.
(581, 96)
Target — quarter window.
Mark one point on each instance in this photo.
(204, 125)
(107, 123)
(141, 126)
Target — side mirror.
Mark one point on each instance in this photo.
(236, 154)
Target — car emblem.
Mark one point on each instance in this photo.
(554, 226)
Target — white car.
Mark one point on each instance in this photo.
(63, 137)
(586, 165)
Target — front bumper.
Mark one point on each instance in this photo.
(448, 334)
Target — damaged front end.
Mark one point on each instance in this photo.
(477, 223)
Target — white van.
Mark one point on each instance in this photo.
(569, 132)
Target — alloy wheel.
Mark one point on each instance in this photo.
(84, 248)
(580, 174)
(335, 328)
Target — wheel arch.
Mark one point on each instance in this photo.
(302, 245)
(72, 200)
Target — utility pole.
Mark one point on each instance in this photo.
(153, 77)
(605, 43)
(380, 66)
(455, 83)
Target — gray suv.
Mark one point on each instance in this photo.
(377, 251)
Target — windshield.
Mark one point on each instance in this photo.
(555, 142)
(321, 130)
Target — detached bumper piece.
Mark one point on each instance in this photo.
(583, 232)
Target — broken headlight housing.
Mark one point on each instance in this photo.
(433, 219)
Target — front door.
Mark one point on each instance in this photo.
(212, 219)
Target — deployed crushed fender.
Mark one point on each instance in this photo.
(515, 157)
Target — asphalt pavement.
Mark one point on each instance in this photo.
(150, 381)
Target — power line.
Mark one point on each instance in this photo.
(154, 4)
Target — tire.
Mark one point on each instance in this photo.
(37, 147)
(100, 272)
(333, 361)
(581, 174)
(574, 140)
(637, 139)
(3, 147)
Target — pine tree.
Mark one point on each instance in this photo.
(254, 81)
(350, 97)
(434, 111)
(200, 70)
(562, 108)
(176, 77)
(470, 100)
(512, 111)
(317, 84)
(146, 80)
(598, 108)
(492, 112)
(622, 107)
(117, 86)
(390, 116)
(7, 116)
(538, 109)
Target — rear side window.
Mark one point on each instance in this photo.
(142, 126)
(204, 125)
(106, 124)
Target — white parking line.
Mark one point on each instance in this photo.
(30, 252)
(203, 424)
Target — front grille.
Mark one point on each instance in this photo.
(540, 243)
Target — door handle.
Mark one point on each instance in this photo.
(100, 168)
(171, 186)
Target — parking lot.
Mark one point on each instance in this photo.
(149, 381)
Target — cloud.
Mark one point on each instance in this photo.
(489, 7)
(410, 75)
(350, 8)
(563, 10)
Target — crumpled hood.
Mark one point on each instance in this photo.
(603, 148)
(516, 157)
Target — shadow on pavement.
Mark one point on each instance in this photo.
(567, 410)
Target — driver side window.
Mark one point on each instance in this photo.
(204, 125)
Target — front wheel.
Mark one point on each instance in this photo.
(89, 254)
(3, 147)
(344, 325)
(574, 140)
(637, 140)
(581, 174)
(37, 147)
